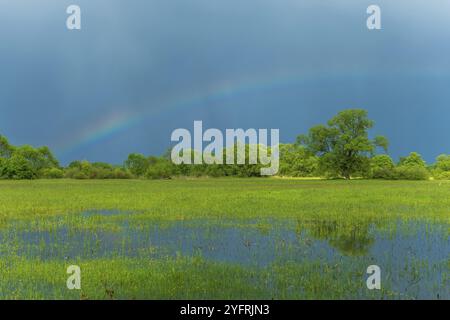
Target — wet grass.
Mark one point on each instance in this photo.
(224, 238)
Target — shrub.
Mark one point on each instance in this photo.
(441, 175)
(215, 170)
(442, 167)
(79, 170)
(443, 162)
(75, 173)
(96, 170)
(297, 161)
(412, 160)
(137, 164)
(123, 174)
(382, 167)
(16, 167)
(51, 173)
(161, 170)
(411, 173)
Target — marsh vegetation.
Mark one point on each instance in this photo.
(224, 238)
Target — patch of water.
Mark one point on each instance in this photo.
(104, 212)
(412, 255)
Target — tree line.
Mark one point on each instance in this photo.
(339, 149)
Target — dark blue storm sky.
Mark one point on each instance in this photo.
(139, 69)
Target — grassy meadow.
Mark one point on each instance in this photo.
(227, 238)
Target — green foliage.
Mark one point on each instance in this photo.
(297, 161)
(224, 169)
(382, 167)
(413, 160)
(24, 162)
(411, 173)
(246, 169)
(441, 170)
(6, 149)
(137, 164)
(51, 173)
(16, 167)
(162, 169)
(441, 175)
(339, 149)
(78, 170)
(412, 167)
(216, 170)
(343, 145)
(443, 162)
(39, 158)
(96, 170)
(381, 142)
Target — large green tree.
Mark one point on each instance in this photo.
(343, 145)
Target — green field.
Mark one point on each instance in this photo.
(224, 238)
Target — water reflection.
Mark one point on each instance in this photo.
(348, 239)
(251, 242)
(399, 247)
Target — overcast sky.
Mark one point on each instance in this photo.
(139, 69)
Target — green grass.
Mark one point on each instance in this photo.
(181, 278)
(229, 198)
(49, 205)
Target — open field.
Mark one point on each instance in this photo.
(224, 238)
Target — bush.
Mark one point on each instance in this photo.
(296, 161)
(51, 173)
(382, 167)
(120, 173)
(411, 173)
(161, 170)
(75, 173)
(215, 170)
(384, 173)
(412, 160)
(96, 170)
(441, 175)
(79, 170)
(16, 167)
(137, 164)
(441, 169)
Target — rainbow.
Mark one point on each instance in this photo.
(117, 122)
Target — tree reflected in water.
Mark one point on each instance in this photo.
(351, 239)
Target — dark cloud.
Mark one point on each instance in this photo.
(285, 64)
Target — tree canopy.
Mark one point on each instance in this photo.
(343, 145)
(341, 148)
